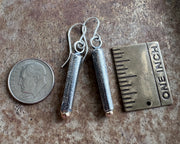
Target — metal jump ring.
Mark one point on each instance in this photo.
(96, 38)
(79, 45)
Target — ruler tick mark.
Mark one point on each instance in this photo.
(129, 76)
(118, 57)
(121, 69)
(118, 65)
(128, 107)
(118, 53)
(125, 60)
(121, 73)
(124, 89)
(126, 85)
(116, 49)
(129, 102)
(126, 98)
(130, 93)
(123, 81)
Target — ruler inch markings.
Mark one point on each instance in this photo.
(138, 67)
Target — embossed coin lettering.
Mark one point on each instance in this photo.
(30, 81)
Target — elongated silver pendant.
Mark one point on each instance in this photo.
(70, 85)
(102, 80)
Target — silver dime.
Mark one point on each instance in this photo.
(30, 81)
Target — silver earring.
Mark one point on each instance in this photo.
(101, 70)
(75, 59)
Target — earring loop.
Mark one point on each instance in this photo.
(96, 38)
(80, 45)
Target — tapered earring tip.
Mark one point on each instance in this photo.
(109, 113)
(65, 115)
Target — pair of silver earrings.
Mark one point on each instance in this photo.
(75, 59)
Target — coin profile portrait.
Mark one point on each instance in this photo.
(30, 81)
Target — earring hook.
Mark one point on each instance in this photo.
(79, 46)
(98, 24)
(96, 37)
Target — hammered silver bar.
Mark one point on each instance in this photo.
(70, 85)
(102, 80)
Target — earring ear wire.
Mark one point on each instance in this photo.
(80, 44)
(96, 37)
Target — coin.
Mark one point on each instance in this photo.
(30, 81)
